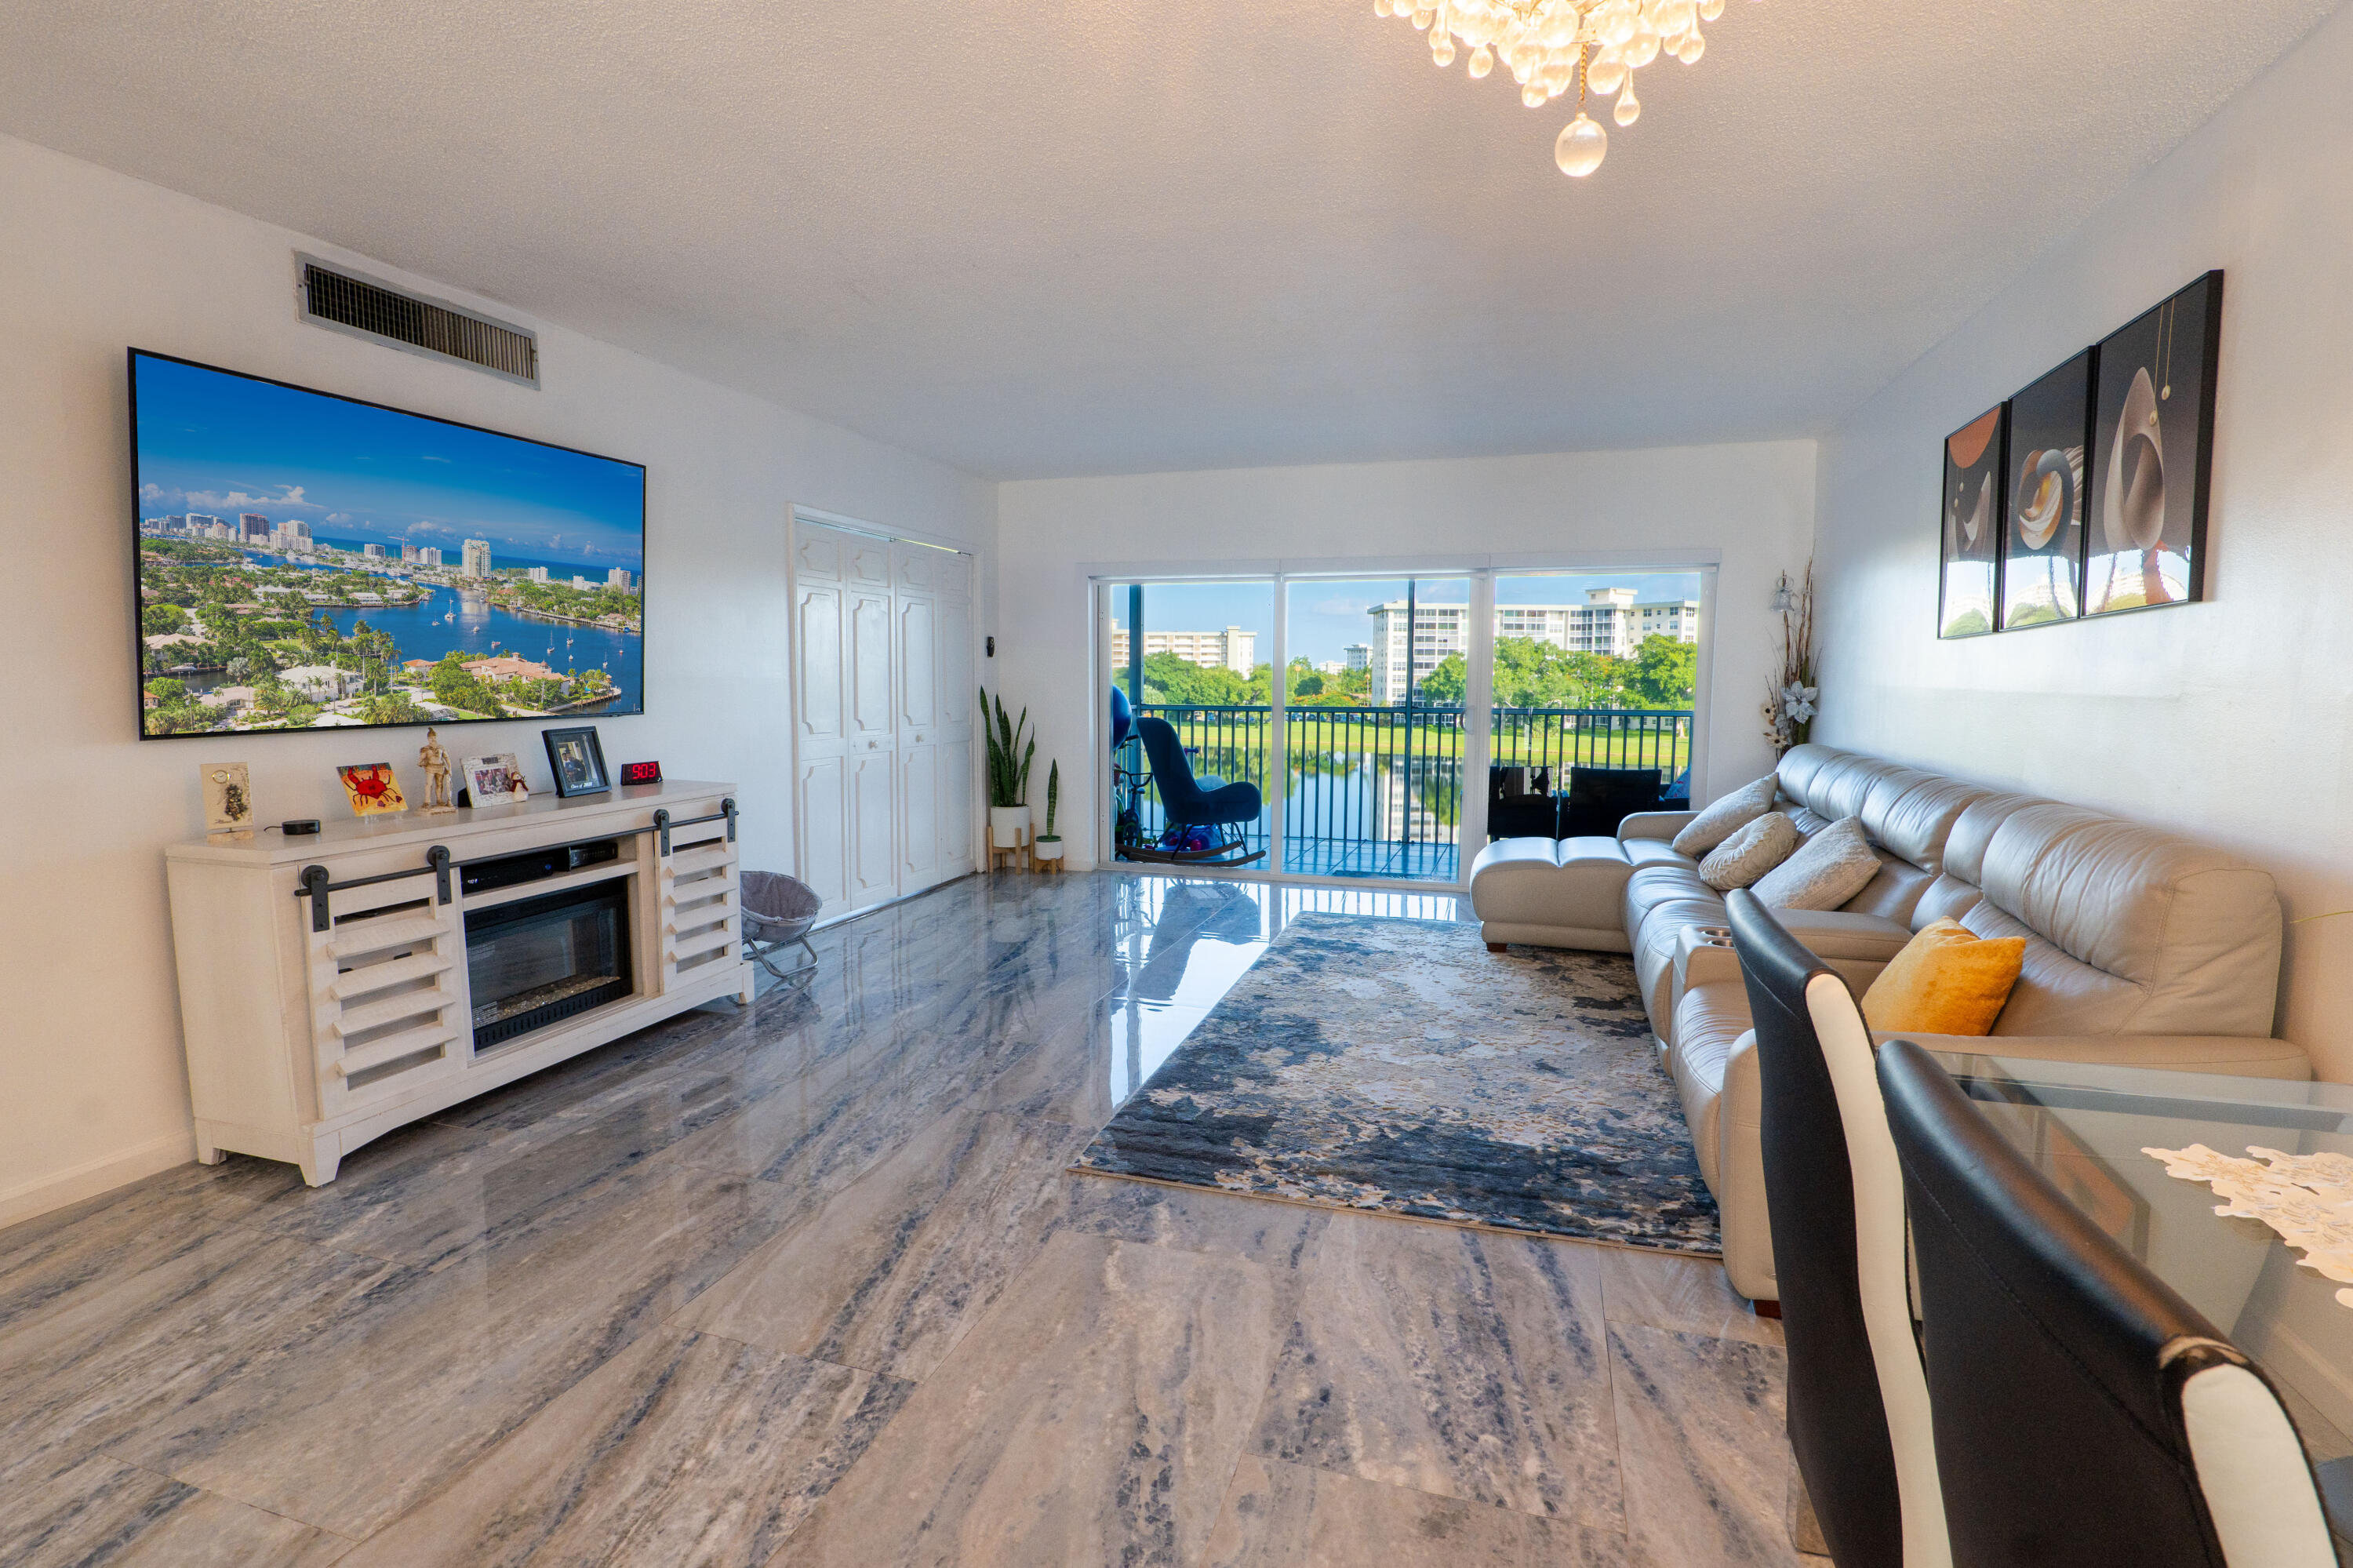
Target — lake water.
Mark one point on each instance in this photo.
(446, 621)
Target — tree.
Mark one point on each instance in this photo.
(452, 683)
(161, 619)
(1665, 672)
(167, 691)
(392, 708)
(1446, 684)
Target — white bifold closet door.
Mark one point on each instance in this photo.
(882, 632)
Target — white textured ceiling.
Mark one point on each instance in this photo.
(1113, 236)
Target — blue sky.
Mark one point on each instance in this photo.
(1325, 617)
(210, 442)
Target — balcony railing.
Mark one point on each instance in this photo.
(1379, 792)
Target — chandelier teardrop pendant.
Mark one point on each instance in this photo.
(1551, 46)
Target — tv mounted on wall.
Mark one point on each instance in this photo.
(308, 561)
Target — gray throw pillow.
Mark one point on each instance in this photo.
(1727, 816)
(1830, 868)
(1749, 854)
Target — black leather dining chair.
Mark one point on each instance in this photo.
(2085, 1415)
(1858, 1399)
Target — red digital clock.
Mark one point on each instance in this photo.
(641, 773)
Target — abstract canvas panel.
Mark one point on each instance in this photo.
(2043, 538)
(1972, 517)
(2152, 454)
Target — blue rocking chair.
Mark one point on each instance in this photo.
(1187, 803)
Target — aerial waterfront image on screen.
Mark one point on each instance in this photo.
(308, 561)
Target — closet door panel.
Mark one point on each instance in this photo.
(873, 811)
(957, 796)
(919, 673)
(870, 666)
(918, 862)
(825, 831)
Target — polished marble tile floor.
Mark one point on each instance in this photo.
(808, 1283)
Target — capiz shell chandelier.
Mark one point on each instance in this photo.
(1551, 46)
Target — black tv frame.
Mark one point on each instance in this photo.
(138, 642)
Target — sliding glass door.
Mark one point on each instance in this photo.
(1408, 708)
(1373, 685)
(1199, 656)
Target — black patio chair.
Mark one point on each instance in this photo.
(1188, 802)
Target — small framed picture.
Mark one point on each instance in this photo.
(374, 791)
(577, 760)
(228, 798)
(495, 779)
(1970, 526)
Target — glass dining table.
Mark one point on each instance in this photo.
(2085, 1127)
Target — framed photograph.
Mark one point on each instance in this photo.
(1971, 587)
(577, 760)
(2043, 538)
(496, 779)
(228, 798)
(2152, 451)
(374, 791)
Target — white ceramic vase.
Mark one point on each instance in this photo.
(1046, 849)
(1008, 825)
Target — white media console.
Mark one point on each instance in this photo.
(335, 986)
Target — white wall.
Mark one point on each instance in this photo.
(92, 1089)
(2229, 720)
(1750, 505)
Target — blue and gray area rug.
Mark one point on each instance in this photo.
(1399, 1067)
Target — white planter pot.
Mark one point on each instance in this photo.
(1046, 849)
(1007, 825)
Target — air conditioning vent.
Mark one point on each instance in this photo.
(332, 298)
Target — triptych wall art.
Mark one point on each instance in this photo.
(2086, 493)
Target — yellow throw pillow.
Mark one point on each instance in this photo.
(1946, 980)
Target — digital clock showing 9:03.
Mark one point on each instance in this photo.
(641, 773)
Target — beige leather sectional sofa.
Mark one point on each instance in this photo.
(2142, 948)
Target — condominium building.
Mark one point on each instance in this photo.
(617, 578)
(536, 574)
(1357, 655)
(253, 526)
(478, 558)
(373, 552)
(1232, 649)
(428, 554)
(1609, 622)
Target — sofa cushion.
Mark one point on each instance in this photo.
(2195, 931)
(1725, 816)
(1655, 851)
(1750, 852)
(1910, 817)
(1946, 980)
(1894, 894)
(1834, 865)
(1654, 953)
(1656, 884)
(1709, 1021)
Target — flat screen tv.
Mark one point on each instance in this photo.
(307, 561)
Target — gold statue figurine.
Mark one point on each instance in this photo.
(435, 760)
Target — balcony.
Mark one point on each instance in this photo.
(1377, 792)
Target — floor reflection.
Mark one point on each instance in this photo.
(1182, 945)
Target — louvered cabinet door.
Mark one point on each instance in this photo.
(388, 1000)
(701, 915)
